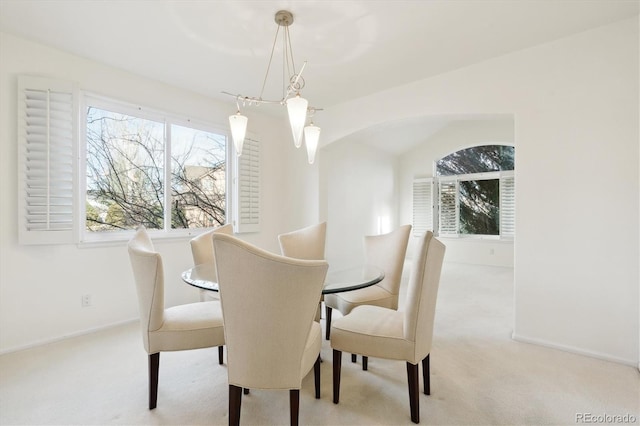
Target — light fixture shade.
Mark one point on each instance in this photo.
(311, 136)
(297, 108)
(238, 124)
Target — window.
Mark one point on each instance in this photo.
(129, 166)
(147, 169)
(475, 192)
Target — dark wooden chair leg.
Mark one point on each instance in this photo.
(220, 354)
(337, 364)
(414, 402)
(316, 376)
(294, 406)
(426, 375)
(365, 362)
(154, 367)
(235, 401)
(354, 357)
(327, 332)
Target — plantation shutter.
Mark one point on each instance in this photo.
(422, 206)
(507, 206)
(247, 215)
(448, 209)
(47, 143)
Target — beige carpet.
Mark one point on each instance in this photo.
(479, 376)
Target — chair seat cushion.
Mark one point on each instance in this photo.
(374, 295)
(372, 331)
(190, 326)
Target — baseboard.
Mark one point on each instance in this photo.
(66, 336)
(578, 351)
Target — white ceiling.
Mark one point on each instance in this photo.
(353, 48)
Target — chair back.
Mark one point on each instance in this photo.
(422, 293)
(269, 304)
(148, 273)
(305, 243)
(387, 252)
(202, 246)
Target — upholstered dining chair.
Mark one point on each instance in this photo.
(387, 252)
(305, 243)
(191, 326)
(202, 253)
(269, 302)
(400, 335)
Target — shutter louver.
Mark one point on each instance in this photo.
(47, 123)
(507, 207)
(422, 206)
(248, 187)
(448, 213)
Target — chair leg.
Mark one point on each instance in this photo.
(316, 376)
(354, 357)
(426, 375)
(235, 401)
(327, 332)
(337, 364)
(154, 367)
(220, 354)
(414, 402)
(365, 362)
(294, 406)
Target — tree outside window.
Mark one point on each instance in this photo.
(126, 179)
(476, 191)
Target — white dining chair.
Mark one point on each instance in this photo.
(305, 243)
(269, 303)
(202, 253)
(387, 252)
(191, 326)
(398, 335)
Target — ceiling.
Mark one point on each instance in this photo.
(353, 47)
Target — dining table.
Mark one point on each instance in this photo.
(338, 280)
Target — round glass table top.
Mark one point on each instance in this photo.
(337, 281)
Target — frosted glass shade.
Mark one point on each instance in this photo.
(297, 108)
(238, 124)
(311, 136)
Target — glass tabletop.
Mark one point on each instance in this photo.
(203, 276)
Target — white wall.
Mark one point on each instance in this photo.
(575, 104)
(360, 199)
(41, 287)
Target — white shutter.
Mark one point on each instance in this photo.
(507, 206)
(422, 206)
(47, 143)
(448, 208)
(247, 200)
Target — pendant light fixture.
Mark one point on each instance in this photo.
(297, 106)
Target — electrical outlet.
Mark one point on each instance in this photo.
(86, 300)
(492, 251)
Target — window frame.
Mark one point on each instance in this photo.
(506, 233)
(87, 100)
(499, 175)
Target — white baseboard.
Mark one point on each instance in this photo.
(66, 336)
(578, 351)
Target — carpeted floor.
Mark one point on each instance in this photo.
(479, 376)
